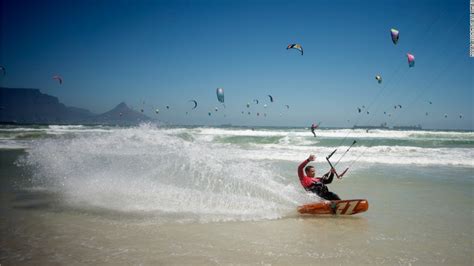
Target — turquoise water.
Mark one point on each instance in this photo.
(229, 195)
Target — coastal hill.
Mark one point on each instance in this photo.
(30, 106)
(120, 114)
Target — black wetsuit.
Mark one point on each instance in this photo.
(313, 127)
(322, 190)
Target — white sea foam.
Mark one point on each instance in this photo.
(391, 155)
(22, 138)
(292, 146)
(76, 129)
(62, 127)
(211, 133)
(8, 144)
(58, 129)
(146, 170)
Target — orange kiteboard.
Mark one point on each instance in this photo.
(340, 207)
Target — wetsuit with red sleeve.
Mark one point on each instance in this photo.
(316, 184)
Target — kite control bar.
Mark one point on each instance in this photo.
(332, 167)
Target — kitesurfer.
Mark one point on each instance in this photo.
(313, 127)
(316, 184)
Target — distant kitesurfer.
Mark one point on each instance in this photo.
(316, 184)
(313, 127)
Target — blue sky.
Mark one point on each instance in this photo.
(150, 54)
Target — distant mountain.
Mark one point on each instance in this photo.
(30, 106)
(120, 114)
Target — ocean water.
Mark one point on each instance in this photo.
(217, 195)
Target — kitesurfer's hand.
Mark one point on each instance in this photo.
(333, 170)
(311, 157)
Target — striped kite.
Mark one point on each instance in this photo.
(295, 46)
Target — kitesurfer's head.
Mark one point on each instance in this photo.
(310, 171)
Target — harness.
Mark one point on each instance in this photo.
(318, 187)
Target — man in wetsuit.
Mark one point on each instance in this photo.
(313, 127)
(316, 184)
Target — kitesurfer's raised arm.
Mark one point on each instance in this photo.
(306, 175)
(301, 174)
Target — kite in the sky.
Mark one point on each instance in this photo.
(195, 103)
(271, 97)
(378, 78)
(295, 46)
(220, 94)
(411, 60)
(58, 78)
(395, 35)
